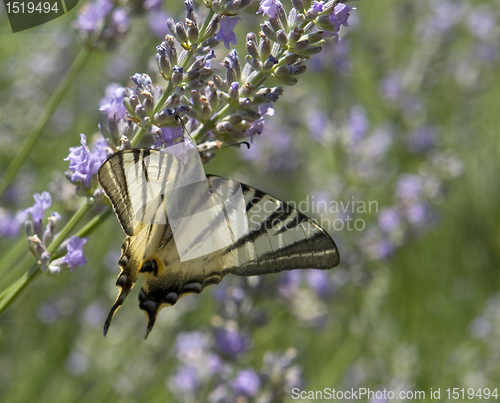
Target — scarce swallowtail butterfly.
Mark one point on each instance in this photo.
(168, 227)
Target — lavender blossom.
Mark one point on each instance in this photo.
(42, 202)
(112, 103)
(340, 16)
(84, 165)
(226, 33)
(75, 256)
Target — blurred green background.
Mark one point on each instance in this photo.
(424, 315)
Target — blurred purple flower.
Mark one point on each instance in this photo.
(84, 164)
(190, 346)
(94, 314)
(320, 201)
(230, 342)
(317, 123)
(319, 280)
(485, 52)
(92, 14)
(268, 7)
(384, 249)
(358, 123)
(246, 383)
(409, 188)
(42, 202)
(157, 23)
(10, 224)
(186, 379)
(153, 5)
(75, 257)
(480, 327)
(77, 363)
(389, 219)
(226, 33)
(120, 20)
(422, 139)
(49, 313)
(290, 282)
(391, 87)
(417, 213)
(376, 145)
(481, 22)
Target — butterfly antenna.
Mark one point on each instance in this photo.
(179, 119)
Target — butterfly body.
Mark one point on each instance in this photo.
(277, 236)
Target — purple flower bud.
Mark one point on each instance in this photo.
(75, 257)
(226, 33)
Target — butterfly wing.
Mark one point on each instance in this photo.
(278, 238)
(133, 180)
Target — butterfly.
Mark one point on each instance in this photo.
(275, 236)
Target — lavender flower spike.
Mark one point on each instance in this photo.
(226, 33)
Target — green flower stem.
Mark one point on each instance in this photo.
(12, 292)
(33, 135)
(14, 254)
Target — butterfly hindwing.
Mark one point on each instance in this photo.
(278, 238)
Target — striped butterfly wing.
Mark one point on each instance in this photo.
(122, 178)
(278, 238)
